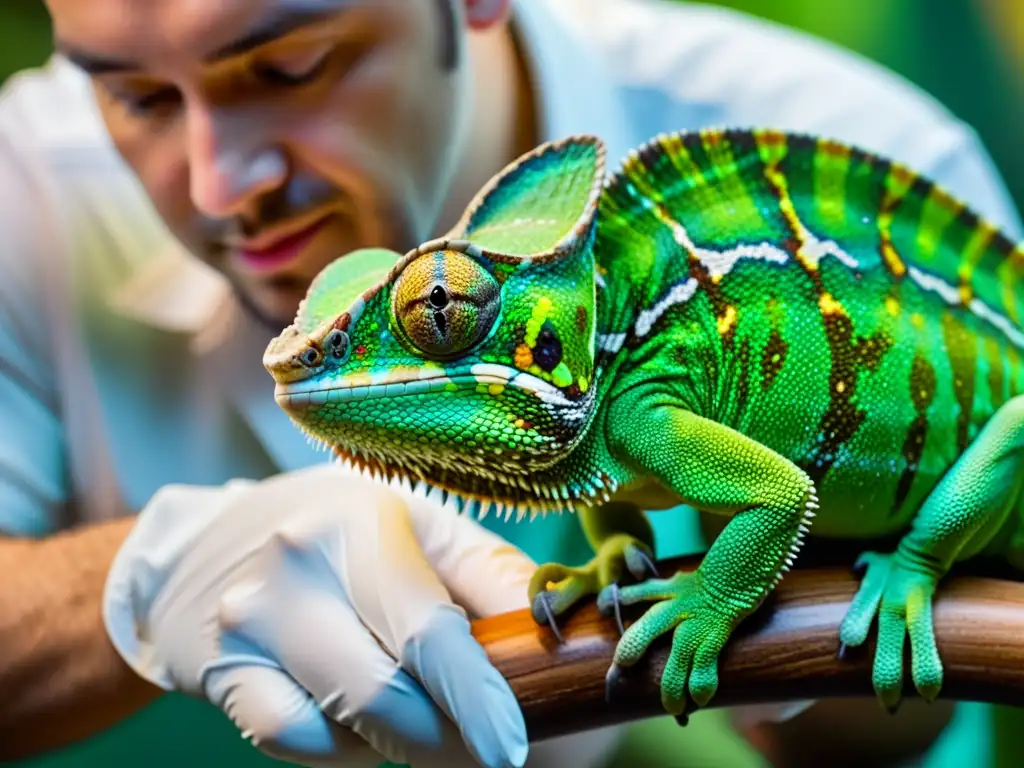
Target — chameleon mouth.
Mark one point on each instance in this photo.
(313, 393)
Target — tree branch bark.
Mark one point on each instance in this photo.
(784, 652)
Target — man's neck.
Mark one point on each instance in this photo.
(504, 123)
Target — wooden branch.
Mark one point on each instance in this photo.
(786, 652)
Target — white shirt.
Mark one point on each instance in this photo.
(123, 366)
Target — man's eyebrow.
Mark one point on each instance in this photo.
(278, 24)
(91, 63)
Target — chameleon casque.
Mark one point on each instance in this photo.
(751, 323)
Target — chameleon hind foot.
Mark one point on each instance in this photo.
(701, 625)
(958, 520)
(555, 588)
(901, 596)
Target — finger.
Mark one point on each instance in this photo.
(401, 598)
(281, 719)
(482, 571)
(299, 617)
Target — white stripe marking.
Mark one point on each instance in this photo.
(720, 263)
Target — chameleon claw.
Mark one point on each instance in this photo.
(842, 652)
(611, 679)
(860, 565)
(639, 562)
(545, 614)
(683, 720)
(608, 602)
(618, 609)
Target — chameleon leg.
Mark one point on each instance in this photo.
(959, 518)
(713, 468)
(622, 540)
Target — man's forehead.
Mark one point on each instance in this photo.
(110, 35)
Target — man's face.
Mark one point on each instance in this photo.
(275, 135)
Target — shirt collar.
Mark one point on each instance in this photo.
(576, 94)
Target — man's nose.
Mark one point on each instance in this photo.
(231, 163)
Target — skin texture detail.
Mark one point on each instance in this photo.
(776, 328)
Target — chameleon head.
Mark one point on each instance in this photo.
(468, 362)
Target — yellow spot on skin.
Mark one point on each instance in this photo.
(523, 357)
(727, 320)
(561, 376)
(532, 331)
(361, 379)
(582, 384)
(520, 423)
(917, 319)
(537, 317)
(841, 387)
(892, 306)
(892, 258)
(829, 306)
(496, 389)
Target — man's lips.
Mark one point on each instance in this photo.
(271, 253)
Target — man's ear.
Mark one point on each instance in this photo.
(482, 14)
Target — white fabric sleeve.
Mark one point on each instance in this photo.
(33, 485)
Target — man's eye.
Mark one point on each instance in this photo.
(150, 101)
(295, 70)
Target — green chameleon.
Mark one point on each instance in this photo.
(746, 322)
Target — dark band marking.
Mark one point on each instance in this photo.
(773, 358)
(848, 354)
(922, 392)
(962, 352)
(581, 318)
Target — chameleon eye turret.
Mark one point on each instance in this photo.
(444, 303)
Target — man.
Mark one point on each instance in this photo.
(170, 185)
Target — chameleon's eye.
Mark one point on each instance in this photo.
(444, 303)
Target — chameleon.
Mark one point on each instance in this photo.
(787, 331)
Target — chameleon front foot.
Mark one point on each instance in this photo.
(901, 596)
(555, 588)
(701, 625)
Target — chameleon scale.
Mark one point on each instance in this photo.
(774, 327)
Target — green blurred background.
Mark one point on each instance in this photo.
(967, 53)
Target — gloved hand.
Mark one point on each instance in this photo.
(326, 615)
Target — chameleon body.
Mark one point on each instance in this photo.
(778, 328)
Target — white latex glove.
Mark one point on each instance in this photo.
(324, 614)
